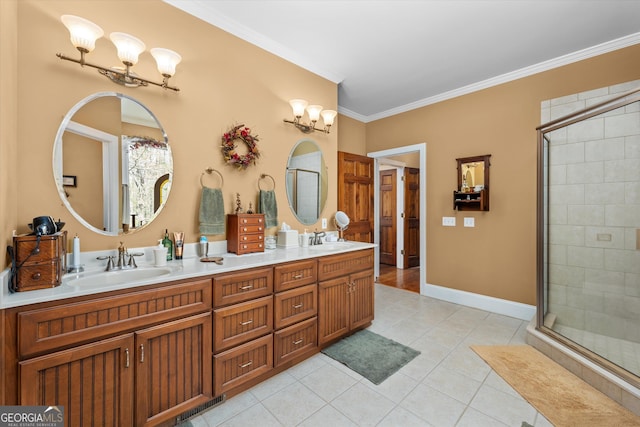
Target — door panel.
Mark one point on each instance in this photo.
(388, 202)
(355, 195)
(411, 217)
(94, 382)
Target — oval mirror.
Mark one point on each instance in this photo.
(306, 181)
(112, 163)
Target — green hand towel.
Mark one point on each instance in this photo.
(269, 207)
(211, 214)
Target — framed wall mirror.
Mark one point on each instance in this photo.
(473, 188)
(121, 158)
(306, 181)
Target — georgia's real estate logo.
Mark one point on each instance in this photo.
(31, 416)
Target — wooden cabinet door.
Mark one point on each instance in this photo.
(333, 309)
(173, 368)
(361, 295)
(93, 382)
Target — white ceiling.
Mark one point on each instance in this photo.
(397, 55)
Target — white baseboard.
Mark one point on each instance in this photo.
(482, 302)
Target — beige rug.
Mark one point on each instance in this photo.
(563, 398)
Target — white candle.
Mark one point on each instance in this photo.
(75, 262)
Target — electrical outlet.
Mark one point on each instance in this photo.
(448, 221)
(324, 223)
(469, 222)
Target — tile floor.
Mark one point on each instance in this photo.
(446, 385)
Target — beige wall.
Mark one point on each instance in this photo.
(497, 257)
(8, 124)
(223, 81)
(352, 136)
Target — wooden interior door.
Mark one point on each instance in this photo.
(411, 217)
(355, 195)
(388, 208)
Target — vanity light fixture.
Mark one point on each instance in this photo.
(84, 34)
(314, 111)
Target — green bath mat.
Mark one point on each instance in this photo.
(373, 356)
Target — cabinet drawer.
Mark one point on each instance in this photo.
(76, 323)
(251, 220)
(242, 322)
(251, 238)
(295, 305)
(41, 275)
(295, 274)
(295, 341)
(247, 229)
(50, 247)
(237, 287)
(244, 248)
(243, 363)
(333, 266)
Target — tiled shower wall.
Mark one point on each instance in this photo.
(594, 214)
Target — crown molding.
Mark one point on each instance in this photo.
(200, 9)
(560, 61)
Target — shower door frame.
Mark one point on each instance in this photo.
(542, 230)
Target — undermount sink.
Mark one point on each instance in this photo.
(117, 277)
(331, 246)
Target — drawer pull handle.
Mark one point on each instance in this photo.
(248, 322)
(298, 342)
(297, 306)
(36, 276)
(244, 288)
(126, 357)
(244, 229)
(245, 365)
(298, 276)
(244, 221)
(141, 353)
(259, 228)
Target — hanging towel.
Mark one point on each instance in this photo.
(211, 211)
(269, 208)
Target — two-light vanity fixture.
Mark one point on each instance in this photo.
(84, 34)
(314, 111)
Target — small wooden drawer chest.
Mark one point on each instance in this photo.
(245, 233)
(42, 268)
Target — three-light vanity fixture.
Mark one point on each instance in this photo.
(84, 34)
(314, 111)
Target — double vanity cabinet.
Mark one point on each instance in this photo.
(149, 355)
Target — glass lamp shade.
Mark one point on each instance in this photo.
(298, 106)
(83, 32)
(314, 112)
(129, 47)
(166, 60)
(328, 116)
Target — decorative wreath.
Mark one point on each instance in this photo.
(231, 156)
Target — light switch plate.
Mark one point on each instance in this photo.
(324, 223)
(449, 221)
(469, 222)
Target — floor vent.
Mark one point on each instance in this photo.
(190, 413)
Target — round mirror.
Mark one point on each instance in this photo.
(112, 163)
(306, 181)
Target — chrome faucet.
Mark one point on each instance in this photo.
(316, 239)
(122, 263)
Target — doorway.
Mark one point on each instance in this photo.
(390, 159)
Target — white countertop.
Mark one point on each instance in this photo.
(187, 268)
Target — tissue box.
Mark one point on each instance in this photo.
(287, 238)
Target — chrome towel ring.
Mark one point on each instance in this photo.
(210, 171)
